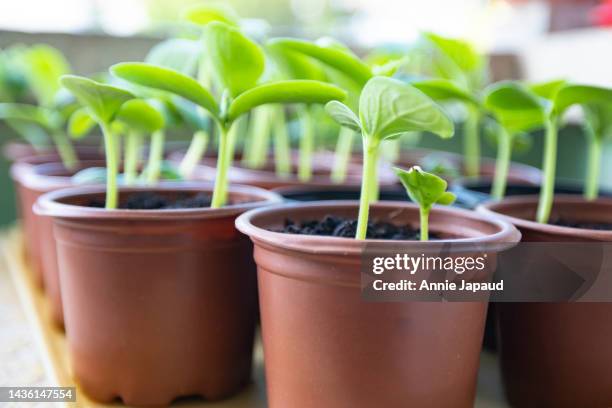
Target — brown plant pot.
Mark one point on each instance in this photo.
(158, 304)
(517, 174)
(267, 178)
(556, 354)
(326, 347)
(29, 184)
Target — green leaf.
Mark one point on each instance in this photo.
(176, 53)
(515, 106)
(581, 95)
(460, 52)
(45, 65)
(29, 113)
(295, 91)
(343, 115)
(237, 62)
(331, 55)
(140, 116)
(425, 189)
(80, 123)
(444, 90)
(191, 114)
(388, 107)
(549, 89)
(598, 119)
(205, 14)
(103, 101)
(295, 65)
(168, 80)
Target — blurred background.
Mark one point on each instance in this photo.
(525, 39)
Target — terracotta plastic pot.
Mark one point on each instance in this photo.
(473, 192)
(556, 354)
(327, 347)
(267, 178)
(29, 185)
(158, 304)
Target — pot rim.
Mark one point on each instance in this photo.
(490, 208)
(48, 204)
(507, 235)
(31, 176)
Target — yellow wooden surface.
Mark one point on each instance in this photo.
(56, 360)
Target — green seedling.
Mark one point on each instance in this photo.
(425, 189)
(511, 125)
(460, 62)
(387, 109)
(31, 117)
(598, 128)
(140, 118)
(103, 103)
(41, 66)
(237, 64)
(544, 105)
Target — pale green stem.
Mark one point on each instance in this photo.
(375, 188)
(133, 144)
(306, 145)
(194, 154)
(502, 164)
(547, 191)
(594, 168)
(370, 151)
(65, 149)
(219, 197)
(424, 219)
(156, 156)
(112, 167)
(342, 157)
(259, 133)
(471, 143)
(282, 148)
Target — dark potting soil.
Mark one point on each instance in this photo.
(154, 201)
(601, 226)
(333, 226)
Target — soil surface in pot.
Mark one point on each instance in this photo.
(601, 226)
(154, 201)
(333, 226)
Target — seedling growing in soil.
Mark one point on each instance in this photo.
(598, 127)
(103, 103)
(42, 66)
(544, 105)
(51, 121)
(237, 64)
(460, 62)
(425, 189)
(510, 125)
(387, 109)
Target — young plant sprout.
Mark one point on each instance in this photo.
(598, 128)
(510, 125)
(460, 62)
(49, 120)
(42, 66)
(425, 189)
(293, 65)
(387, 109)
(544, 105)
(103, 103)
(237, 64)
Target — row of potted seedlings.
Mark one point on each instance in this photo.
(150, 274)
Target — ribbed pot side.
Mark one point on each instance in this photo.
(556, 354)
(158, 304)
(327, 347)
